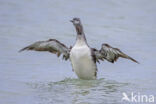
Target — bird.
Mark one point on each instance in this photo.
(83, 58)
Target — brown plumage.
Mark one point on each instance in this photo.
(110, 54)
(83, 61)
(51, 45)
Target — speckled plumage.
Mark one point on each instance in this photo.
(82, 57)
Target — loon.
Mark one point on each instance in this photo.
(83, 58)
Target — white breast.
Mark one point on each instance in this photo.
(82, 62)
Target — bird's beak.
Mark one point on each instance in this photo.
(71, 21)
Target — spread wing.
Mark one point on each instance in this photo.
(110, 54)
(51, 45)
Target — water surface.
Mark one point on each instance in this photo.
(42, 78)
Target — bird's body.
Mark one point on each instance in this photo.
(82, 61)
(82, 57)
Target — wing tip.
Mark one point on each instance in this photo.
(23, 49)
(123, 55)
(134, 60)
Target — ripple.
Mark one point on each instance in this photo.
(77, 91)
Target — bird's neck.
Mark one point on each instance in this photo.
(79, 29)
(80, 39)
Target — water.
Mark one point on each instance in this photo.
(42, 78)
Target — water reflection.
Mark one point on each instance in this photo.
(77, 91)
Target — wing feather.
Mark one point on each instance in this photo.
(110, 54)
(51, 45)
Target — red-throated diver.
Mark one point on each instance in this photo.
(82, 57)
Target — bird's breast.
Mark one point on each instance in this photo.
(82, 62)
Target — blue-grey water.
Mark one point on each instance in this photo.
(42, 78)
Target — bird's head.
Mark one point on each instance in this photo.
(76, 21)
(78, 26)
